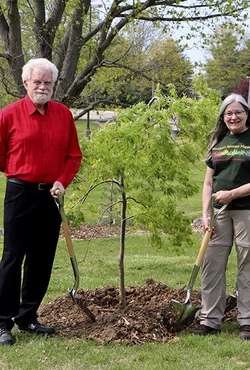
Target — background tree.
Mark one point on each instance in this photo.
(169, 65)
(229, 62)
(60, 31)
(158, 58)
(242, 89)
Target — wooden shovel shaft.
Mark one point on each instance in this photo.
(203, 247)
(65, 225)
(208, 234)
(68, 239)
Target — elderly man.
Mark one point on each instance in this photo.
(39, 153)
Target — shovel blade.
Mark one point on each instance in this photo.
(79, 301)
(231, 302)
(186, 312)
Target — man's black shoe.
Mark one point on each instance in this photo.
(5, 337)
(35, 327)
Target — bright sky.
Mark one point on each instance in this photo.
(195, 55)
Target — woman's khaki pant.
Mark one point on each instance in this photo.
(230, 226)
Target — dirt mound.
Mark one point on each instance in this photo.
(147, 317)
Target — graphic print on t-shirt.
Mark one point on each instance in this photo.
(231, 153)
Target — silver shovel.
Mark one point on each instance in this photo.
(69, 245)
(186, 310)
(72, 292)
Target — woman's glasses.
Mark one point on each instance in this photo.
(236, 113)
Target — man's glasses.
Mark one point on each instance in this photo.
(237, 113)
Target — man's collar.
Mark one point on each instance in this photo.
(31, 108)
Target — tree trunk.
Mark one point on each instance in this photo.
(71, 50)
(45, 31)
(13, 44)
(122, 246)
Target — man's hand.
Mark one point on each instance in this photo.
(57, 185)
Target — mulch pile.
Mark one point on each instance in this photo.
(86, 231)
(148, 316)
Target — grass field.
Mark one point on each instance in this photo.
(100, 268)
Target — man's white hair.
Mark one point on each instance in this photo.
(41, 63)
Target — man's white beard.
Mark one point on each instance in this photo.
(41, 97)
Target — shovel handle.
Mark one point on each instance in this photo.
(203, 247)
(208, 234)
(65, 224)
(68, 239)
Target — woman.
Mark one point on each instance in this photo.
(228, 174)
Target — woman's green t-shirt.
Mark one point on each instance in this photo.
(231, 163)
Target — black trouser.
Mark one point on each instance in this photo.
(31, 230)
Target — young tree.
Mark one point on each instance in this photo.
(63, 32)
(139, 156)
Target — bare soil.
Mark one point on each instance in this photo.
(96, 314)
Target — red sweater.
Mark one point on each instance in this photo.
(38, 148)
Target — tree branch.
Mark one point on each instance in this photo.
(82, 200)
(98, 103)
(99, 220)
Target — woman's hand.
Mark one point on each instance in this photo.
(224, 196)
(206, 225)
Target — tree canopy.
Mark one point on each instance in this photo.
(149, 167)
(145, 58)
(79, 42)
(138, 147)
(229, 61)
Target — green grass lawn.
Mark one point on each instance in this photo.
(100, 268)
(81, 126)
